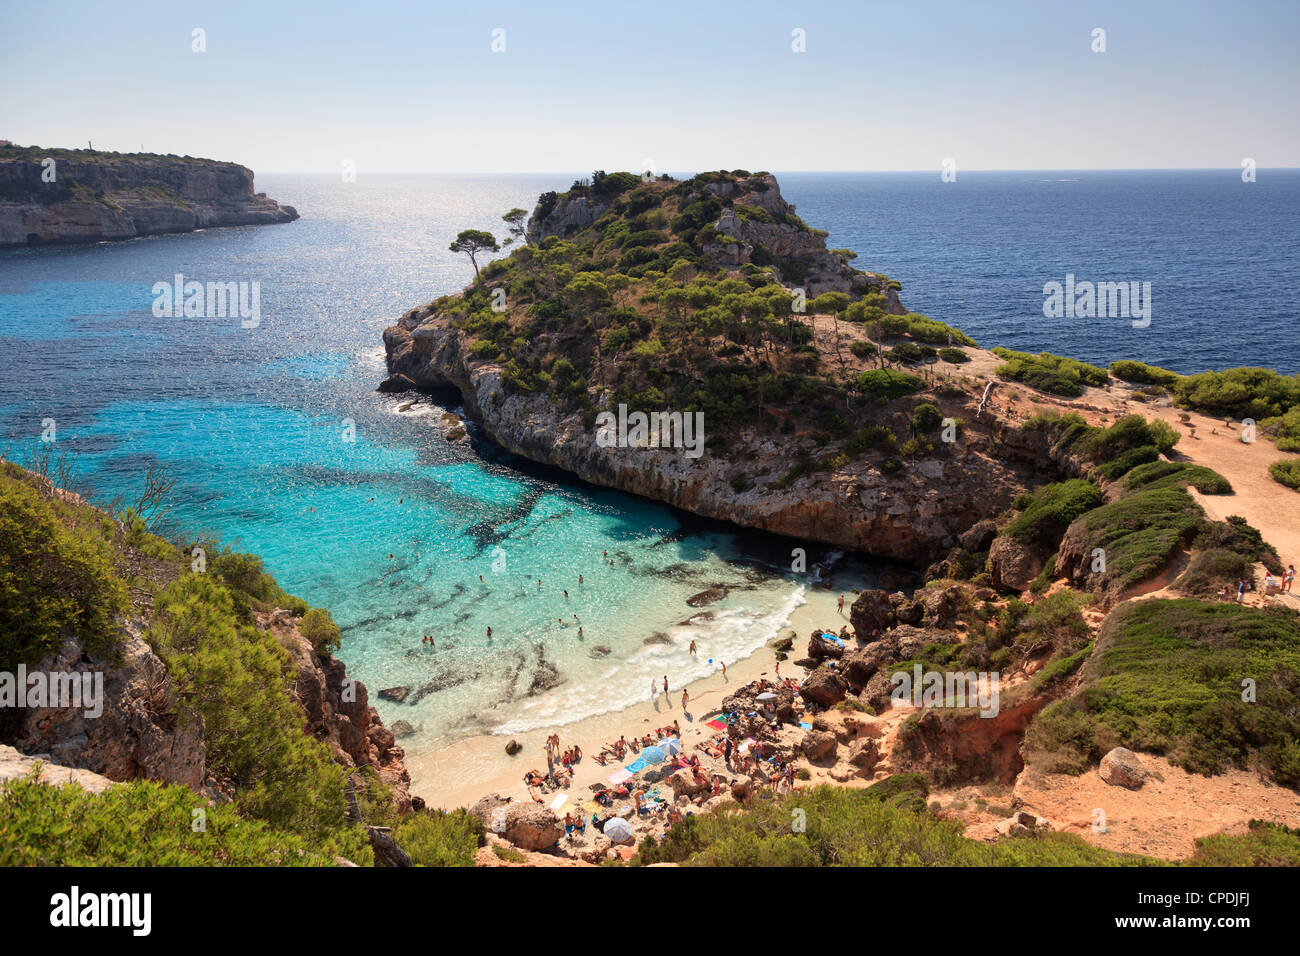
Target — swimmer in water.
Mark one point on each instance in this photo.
(489, 632)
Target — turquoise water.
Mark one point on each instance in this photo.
(391, 530)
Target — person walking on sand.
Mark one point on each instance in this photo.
(692, 648)
(1288, 578)
(686, 698)
(724, 668)
(665, 685)
(840, 604)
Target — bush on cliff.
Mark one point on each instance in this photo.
(1140, 373)
(1167, 677)
(141, 823)
(1048, 511)
(238, 677)
(440, 838)
(57, 576)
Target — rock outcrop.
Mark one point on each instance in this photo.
(338, 711)
(141, 733)
(15, 765)
(96, 196)
(912, 515)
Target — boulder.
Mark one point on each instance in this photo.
(1013, 564)
(819, 647)
(978, 536)
(1122, 768)
(823, 687)
(532, 826)
(402, 728)
(941, 605)
(864, 754)
(871, 611)
(684, 783)
(397, 383)
(707, 596)
(486, 812)
(910, 640)
(909, 612)
(513, 748)
(817, 744)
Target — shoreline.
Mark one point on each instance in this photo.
(464, 771)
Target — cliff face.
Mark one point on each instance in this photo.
(913, 515)
(101, 196)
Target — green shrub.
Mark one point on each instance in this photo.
(238, 679)
(1167, 676)
(953, 356)
(318, 626)
(57, 578)
(1286, 471)
(140, 823)
(887, 383)
(440, 838)
(1142, 374)
(926, 418)
(1049, 511)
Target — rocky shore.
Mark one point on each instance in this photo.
(66, 196)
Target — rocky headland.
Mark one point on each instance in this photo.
(52, 196)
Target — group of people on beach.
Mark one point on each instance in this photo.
(620, 748)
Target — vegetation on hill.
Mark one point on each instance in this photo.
(66, 570)
(888, 824)
(646, 306)
(1209, 685)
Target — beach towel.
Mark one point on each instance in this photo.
(831, 637)
(559, 801)
(717, 724)
(635, 767)
(804, 725)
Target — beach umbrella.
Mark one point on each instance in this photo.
(670, 745)
(652, 755)
(618, 830)
(767, 695)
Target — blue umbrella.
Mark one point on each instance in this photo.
(653, 755)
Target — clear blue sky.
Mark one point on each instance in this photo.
(691, 85)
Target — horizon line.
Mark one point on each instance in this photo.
(932, 169)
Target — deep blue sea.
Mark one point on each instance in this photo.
(392, 531)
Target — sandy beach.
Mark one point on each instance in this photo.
(461, 773)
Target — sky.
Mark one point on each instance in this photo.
(680, 86)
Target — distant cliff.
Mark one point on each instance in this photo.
(60, 195)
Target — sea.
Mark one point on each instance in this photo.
(280, 445)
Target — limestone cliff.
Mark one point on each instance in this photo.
(64, 196)
(913, 515)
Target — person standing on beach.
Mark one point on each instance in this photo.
(692, 648)
(654, 690)
(840, 607)
(1288, 578)
(665, 685)
(724, 668)
(685, 698)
